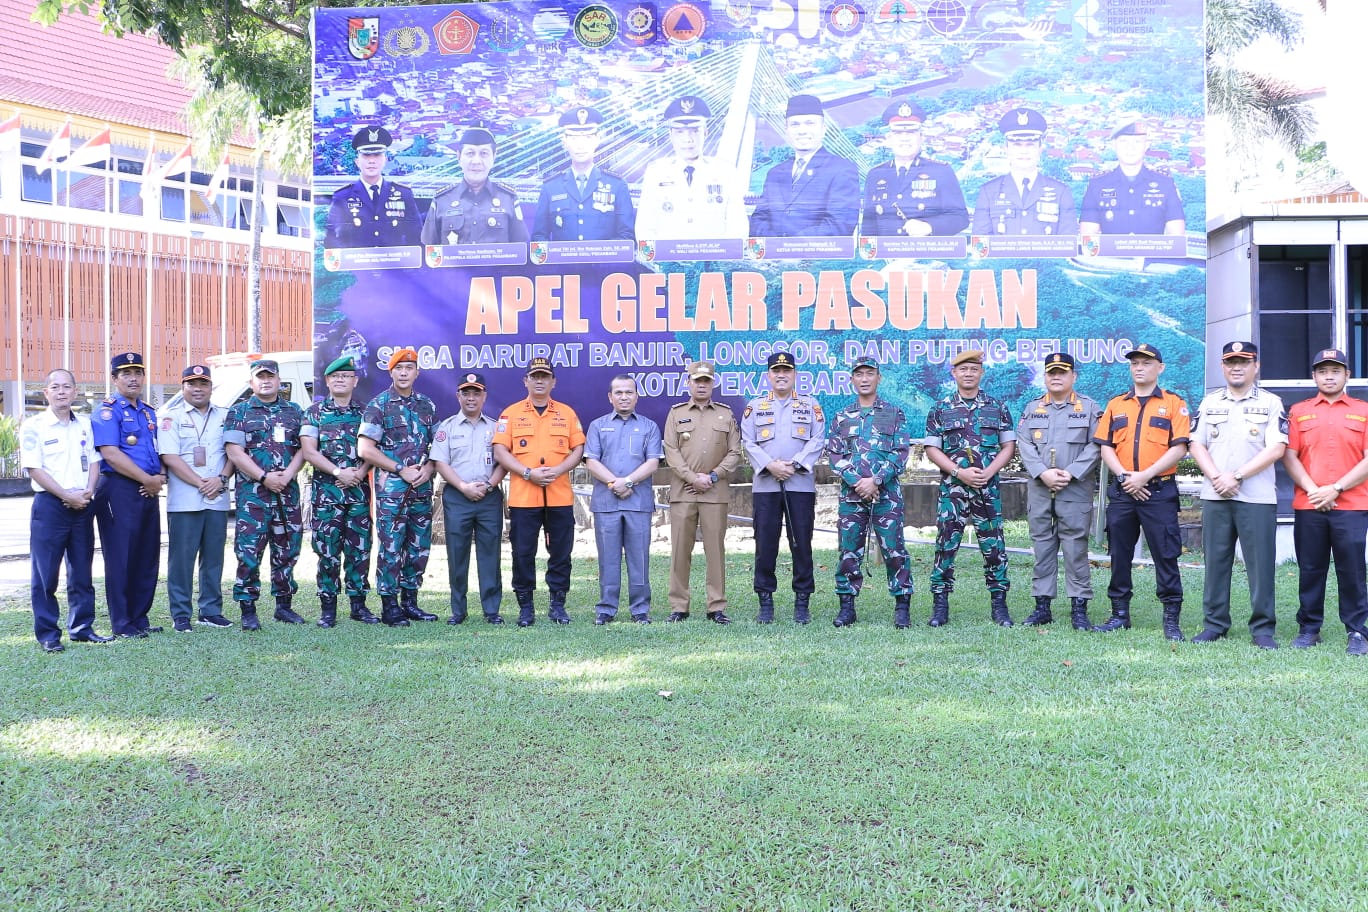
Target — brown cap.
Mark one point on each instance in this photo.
(700, 369)
(972, 354)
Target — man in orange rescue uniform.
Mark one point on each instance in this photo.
(539, 440)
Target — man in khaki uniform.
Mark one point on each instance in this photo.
(702, 449)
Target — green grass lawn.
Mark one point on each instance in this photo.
(433, 768)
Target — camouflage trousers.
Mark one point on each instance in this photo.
(403, 525)
(266, 518)
(342, 530)
(959, 503)
(886, 515)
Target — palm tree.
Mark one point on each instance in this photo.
(1256, 106)
(218, 113)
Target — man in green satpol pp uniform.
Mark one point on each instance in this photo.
(970, 436)
(341, 493)
(261, 439)
(396, 438)
(868, 448)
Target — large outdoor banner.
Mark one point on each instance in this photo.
(624, 187)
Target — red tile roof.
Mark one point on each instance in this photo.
(71, 67)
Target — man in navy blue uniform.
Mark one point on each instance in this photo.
(1024, 201)
(127, 510)
(585, 202)
(911, 195)
(373, 212)
(1131, 199)
(813, 193)
(57, 449)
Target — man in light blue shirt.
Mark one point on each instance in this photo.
(622, 451)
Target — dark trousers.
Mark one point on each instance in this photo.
(59, 534)
(130, 536)
(192, 534)
(1255, 526)
(1319, 536)
(523, 525)
(1158, 518)
(480, 521)
(796, 511)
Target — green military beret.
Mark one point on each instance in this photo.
(344, 363)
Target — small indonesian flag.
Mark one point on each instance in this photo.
(97, 149)
(217, 179)
(9, 133)
(60, 147)
(180, 162)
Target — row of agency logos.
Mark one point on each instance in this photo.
(572, 253)
(396, 32)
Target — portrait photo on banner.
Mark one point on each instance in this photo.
(625, 187)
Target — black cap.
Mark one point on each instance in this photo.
(581, 120)
(780, 359)
(476, 136)
(195, 372)
(471, 380)
(1145, 351)
(540, 366)
(1330, 356)
(1059, 361)
(1022, 123)
(126, 360)
(905, 115)
(799, 105)
(369, 140)
(1235, 351)
(687, 110)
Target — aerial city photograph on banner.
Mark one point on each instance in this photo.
(626, 187)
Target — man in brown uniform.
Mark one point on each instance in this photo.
(702, 449)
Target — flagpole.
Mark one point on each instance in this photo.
(66, 271)
(223, 296)
(112, 189)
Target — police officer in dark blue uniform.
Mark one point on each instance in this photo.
(126, 504)
(1131, 198)
(1024, 201)
(815, 192)
(911, 195)
(584, 203)
(373, 212)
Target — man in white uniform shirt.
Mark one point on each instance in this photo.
(687, 194)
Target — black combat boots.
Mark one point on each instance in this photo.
(1042, 614)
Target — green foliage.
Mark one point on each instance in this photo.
(9, 446)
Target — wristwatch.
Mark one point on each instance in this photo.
(629, 484)
(223, 480)
(713, 477)
(1239, 476)
(337, 472)
(1339, 488)
(527, 473)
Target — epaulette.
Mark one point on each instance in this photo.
(680, 404)
(109, 401)
(505, 188)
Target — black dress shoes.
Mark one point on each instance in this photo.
(719, 617)
(91, 637)
(53, 646)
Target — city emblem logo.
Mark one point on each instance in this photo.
(363, 37)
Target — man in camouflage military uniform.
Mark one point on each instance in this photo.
(868, 448)
(702, 448)
(477, 210)
(970, 436)
(783, 434)
(341, 493)
(1055, 439)
(261, 439)
(396, 438)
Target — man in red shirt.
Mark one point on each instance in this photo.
(1326, 446)
(538, 441)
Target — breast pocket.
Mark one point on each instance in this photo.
(1079, 431)
(1158, 431)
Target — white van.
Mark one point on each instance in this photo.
(230, 375)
